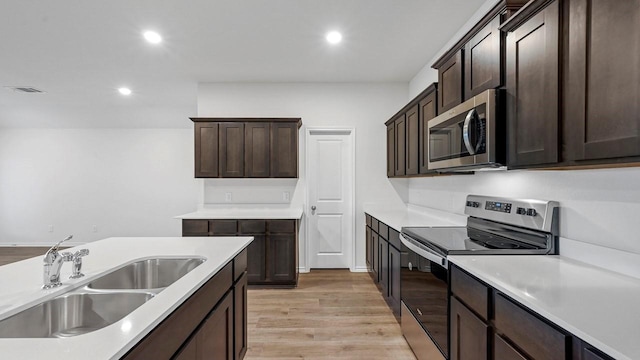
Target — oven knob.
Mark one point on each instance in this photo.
(521, 211)
(532, 212)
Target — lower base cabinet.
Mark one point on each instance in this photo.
(471, 333)
(211, 324)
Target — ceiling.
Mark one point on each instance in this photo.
(79, 52)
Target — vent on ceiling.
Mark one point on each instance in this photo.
(25, 89)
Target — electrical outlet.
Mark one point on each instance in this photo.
(94, 228)
(50, 228)
(228, 197)
(286, 196)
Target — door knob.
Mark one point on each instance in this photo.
(313, 207)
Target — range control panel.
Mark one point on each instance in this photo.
(498, 206)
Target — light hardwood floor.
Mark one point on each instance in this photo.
(332, 314)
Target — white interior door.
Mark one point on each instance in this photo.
(330, 174)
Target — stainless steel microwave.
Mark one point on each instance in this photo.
(470, 136)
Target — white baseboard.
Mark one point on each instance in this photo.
(360, 269)
(303, 269)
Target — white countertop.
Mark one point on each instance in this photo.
(414, 216)
(596, 305)
(20, 283)
(244, 213)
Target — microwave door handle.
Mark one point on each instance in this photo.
(465, 132)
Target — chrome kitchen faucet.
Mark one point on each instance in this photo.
(53, 262)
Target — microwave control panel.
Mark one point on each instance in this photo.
(498, 206)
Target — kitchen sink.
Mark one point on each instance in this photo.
(147, 274)
(72, 314)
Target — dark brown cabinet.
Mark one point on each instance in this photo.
(603, 81)
(394, 279)
(214, 340)
(368, 247)
(469, 334)
(450, 81)
(407, 136)
(273, 254)
(383, 276)
(532, 84)
(400, 145)
(256, 156)
(240, 317)
(411, 137)
(427, 110)
(375, 268)
(483, 60)
(284, 149)
(246, 147)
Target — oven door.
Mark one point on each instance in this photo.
(424, 296)
(464, 135)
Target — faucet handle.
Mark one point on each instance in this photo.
(77, 263)
(66, 256)
(80, 253)
(49, 255)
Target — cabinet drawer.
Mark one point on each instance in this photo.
(535, 337)
(471, 291)
(502, 350)
(239, 264)
(394, 239)
(223, 227)
(383, 230)
(195, 227)
(281, 226)
(252, 226)
(375, 224)
(368, 219)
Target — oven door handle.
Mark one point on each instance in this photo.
(424, 251)
(465, 131)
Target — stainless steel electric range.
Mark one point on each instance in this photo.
(494, 226)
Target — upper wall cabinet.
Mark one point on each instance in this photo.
(533, 43)
(246, 147)
(602, 118)
(406, 135)
(476, 62)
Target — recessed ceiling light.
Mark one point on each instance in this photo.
(152, 37)
(334, 37)
(124, 91)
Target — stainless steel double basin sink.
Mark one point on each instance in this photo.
(101, 302)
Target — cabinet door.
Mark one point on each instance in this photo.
(412, 135)
(232, 149)
(240, 317)
(482, 60)
(190, 351)
(375, 268)
(468, 334)
(391, 150)
(428, 109)
(256, 260)
(368, 244)
(195, 227)
(504, 351)
(284, 149)
(450, 82)
(394, 280)
(603, 89)
(383, 275)
(400, 142)
(206, 144)
(215, 337)
(281, 260)
(256, 149)
(532, 89)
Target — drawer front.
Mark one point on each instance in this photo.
(195, 227)
(538, 339)
(281, 226)
(252, 226)
(471, 291)
(368, 219)
(504, 351)
(383, 230)
(223, 227)
(239, 265)
(394, 239)
(374, 224)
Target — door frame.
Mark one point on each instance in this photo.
(351, 132)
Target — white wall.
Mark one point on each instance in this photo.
(126, 182)
(364, 107)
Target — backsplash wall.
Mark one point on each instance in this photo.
(598, 207)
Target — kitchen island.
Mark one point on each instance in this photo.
(21, 289)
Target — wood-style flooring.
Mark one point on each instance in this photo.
(332, 314)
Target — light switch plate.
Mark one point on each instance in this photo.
(228, 197)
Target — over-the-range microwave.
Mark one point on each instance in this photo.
(470, 136)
